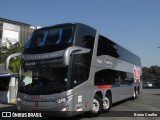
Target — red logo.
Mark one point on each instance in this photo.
(136, 73)
(36, 98)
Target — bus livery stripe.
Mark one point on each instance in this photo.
(104, 86)
(112, 86)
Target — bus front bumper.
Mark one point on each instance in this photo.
(60, 110)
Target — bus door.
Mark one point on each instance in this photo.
(79, 86)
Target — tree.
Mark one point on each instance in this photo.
(7, 49)
(152, 73)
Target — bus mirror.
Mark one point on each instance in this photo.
(74, 50)
(9, 58)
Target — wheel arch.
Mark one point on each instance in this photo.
(99, 93)
(108, 92)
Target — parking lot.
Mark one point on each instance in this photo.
(147, 103)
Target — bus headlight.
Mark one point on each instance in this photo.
(61, 100)
(65, 108)
(64, 99)
(19, 99)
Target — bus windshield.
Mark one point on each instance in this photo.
(43, 79)
(50, 39)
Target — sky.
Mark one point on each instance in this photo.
(134, 24)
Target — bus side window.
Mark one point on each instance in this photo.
(107, 77)
(107, 47)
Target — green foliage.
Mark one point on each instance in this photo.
(7, 49)
(14, 65)
(152, 73)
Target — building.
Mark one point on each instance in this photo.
(15, 31)
(12, 31)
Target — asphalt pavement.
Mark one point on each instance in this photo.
(145, 107)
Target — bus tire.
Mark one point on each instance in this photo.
(97, 106)
(107, 103)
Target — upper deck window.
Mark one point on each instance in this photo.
(85, 37)
(108, 47)
(50, 39)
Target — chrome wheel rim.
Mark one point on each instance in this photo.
(134, 94)
(95, 105)
(106, 103)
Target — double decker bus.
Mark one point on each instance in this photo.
(73, 68)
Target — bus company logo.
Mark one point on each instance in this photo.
(36, 98)
(136, 73)
(107, 61)
(44, 56)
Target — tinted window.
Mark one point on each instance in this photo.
(107, 77)
(83, 59)
(85, 36)
(50, 39)
(107, 47)
(78, 74)
(43, 79)
(54, 36)
(59, 36)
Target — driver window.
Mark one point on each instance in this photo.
(79, 74)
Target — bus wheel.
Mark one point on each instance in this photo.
(135, 94)
(107, 102)
(96, 106)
